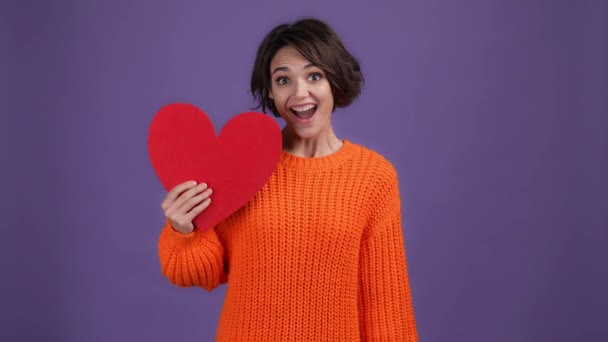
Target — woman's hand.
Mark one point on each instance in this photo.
(184, 202)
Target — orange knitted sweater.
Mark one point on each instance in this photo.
(317, 255)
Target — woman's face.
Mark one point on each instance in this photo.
(301, 93)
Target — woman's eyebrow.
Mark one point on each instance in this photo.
(284, 68)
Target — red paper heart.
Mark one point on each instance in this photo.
(236, 164)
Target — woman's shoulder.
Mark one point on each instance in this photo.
(373, 162)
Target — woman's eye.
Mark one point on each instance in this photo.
(315, 77)
(282, 80)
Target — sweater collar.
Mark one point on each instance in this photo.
(318, 163)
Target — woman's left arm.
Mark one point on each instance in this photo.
(386, 311)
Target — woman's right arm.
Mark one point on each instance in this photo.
(189, 257)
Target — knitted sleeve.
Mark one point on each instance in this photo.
(386, 310)
(195, 259)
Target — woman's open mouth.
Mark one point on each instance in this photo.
(304, 114)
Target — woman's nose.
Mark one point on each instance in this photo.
(301, 90)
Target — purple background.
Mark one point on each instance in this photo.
(493, 112)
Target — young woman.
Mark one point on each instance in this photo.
(318, 254)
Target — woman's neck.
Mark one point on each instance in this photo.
(311, 147)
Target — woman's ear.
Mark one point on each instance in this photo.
(270, 96)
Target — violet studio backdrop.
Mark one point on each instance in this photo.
(493, 112)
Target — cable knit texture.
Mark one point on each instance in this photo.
(317, 255)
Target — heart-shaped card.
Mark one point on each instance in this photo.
(236, 164)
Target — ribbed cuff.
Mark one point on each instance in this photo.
(180, 239)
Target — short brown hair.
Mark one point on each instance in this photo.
(318, 43)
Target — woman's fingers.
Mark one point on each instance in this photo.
(184, 202)
(186, 196)
(194, 201)
(198, 209)
(175, 192)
